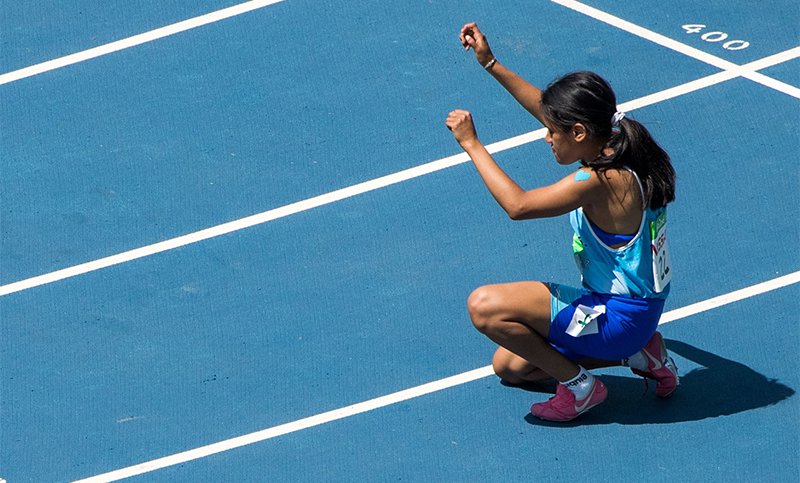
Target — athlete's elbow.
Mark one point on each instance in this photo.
(518, 213)
(519, 208)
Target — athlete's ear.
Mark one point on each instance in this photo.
(578, 132)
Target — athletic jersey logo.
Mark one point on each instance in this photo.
(584, 320)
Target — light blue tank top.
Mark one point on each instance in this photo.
(627, 270)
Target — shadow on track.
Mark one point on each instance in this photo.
(721, 388)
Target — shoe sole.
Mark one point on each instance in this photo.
(570, 419)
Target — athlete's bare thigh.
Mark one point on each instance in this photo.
(524, 302)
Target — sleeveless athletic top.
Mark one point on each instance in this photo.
(629, 270)
(610, 239)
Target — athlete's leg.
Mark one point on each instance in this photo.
(516, 316)
(516, 370)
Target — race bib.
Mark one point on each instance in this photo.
(662, 264)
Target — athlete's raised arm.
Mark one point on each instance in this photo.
(528, 95)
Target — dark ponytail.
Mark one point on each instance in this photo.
(634, 147)
(586, 98)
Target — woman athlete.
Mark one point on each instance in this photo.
(616, 202)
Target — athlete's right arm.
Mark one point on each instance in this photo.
(528, 95)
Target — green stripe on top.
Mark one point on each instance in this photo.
(657, 224)
(577, 244)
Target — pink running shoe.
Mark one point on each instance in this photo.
(660, 366)
(563, 406)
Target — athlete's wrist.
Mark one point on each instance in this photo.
(471, 144)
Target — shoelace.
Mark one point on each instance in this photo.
(646, 384)
(564, 401)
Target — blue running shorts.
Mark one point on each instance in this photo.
(604, 326)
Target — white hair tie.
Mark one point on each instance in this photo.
(616, 118)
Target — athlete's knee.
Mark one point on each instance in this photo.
(514, 369)
(481, 304)
(509, 375)
(502, 365)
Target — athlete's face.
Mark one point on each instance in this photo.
(566, 146)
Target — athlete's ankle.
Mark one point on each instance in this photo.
(636, 361)
(581, 384)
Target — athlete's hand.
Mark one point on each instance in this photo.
(460, 122)
(472, 37)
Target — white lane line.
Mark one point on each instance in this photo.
(773, 83)
(750, 71)
(236, 225)
(676, 46)
(730, 298)
(292, 427)
(371, 185)
(264, 217)
(403, 395)
(711, 80)
(775, 59)
(135, 40)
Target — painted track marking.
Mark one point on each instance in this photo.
(374, 184)
(404, 395)
(680, 47)
(139, 39)
(731, 71)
